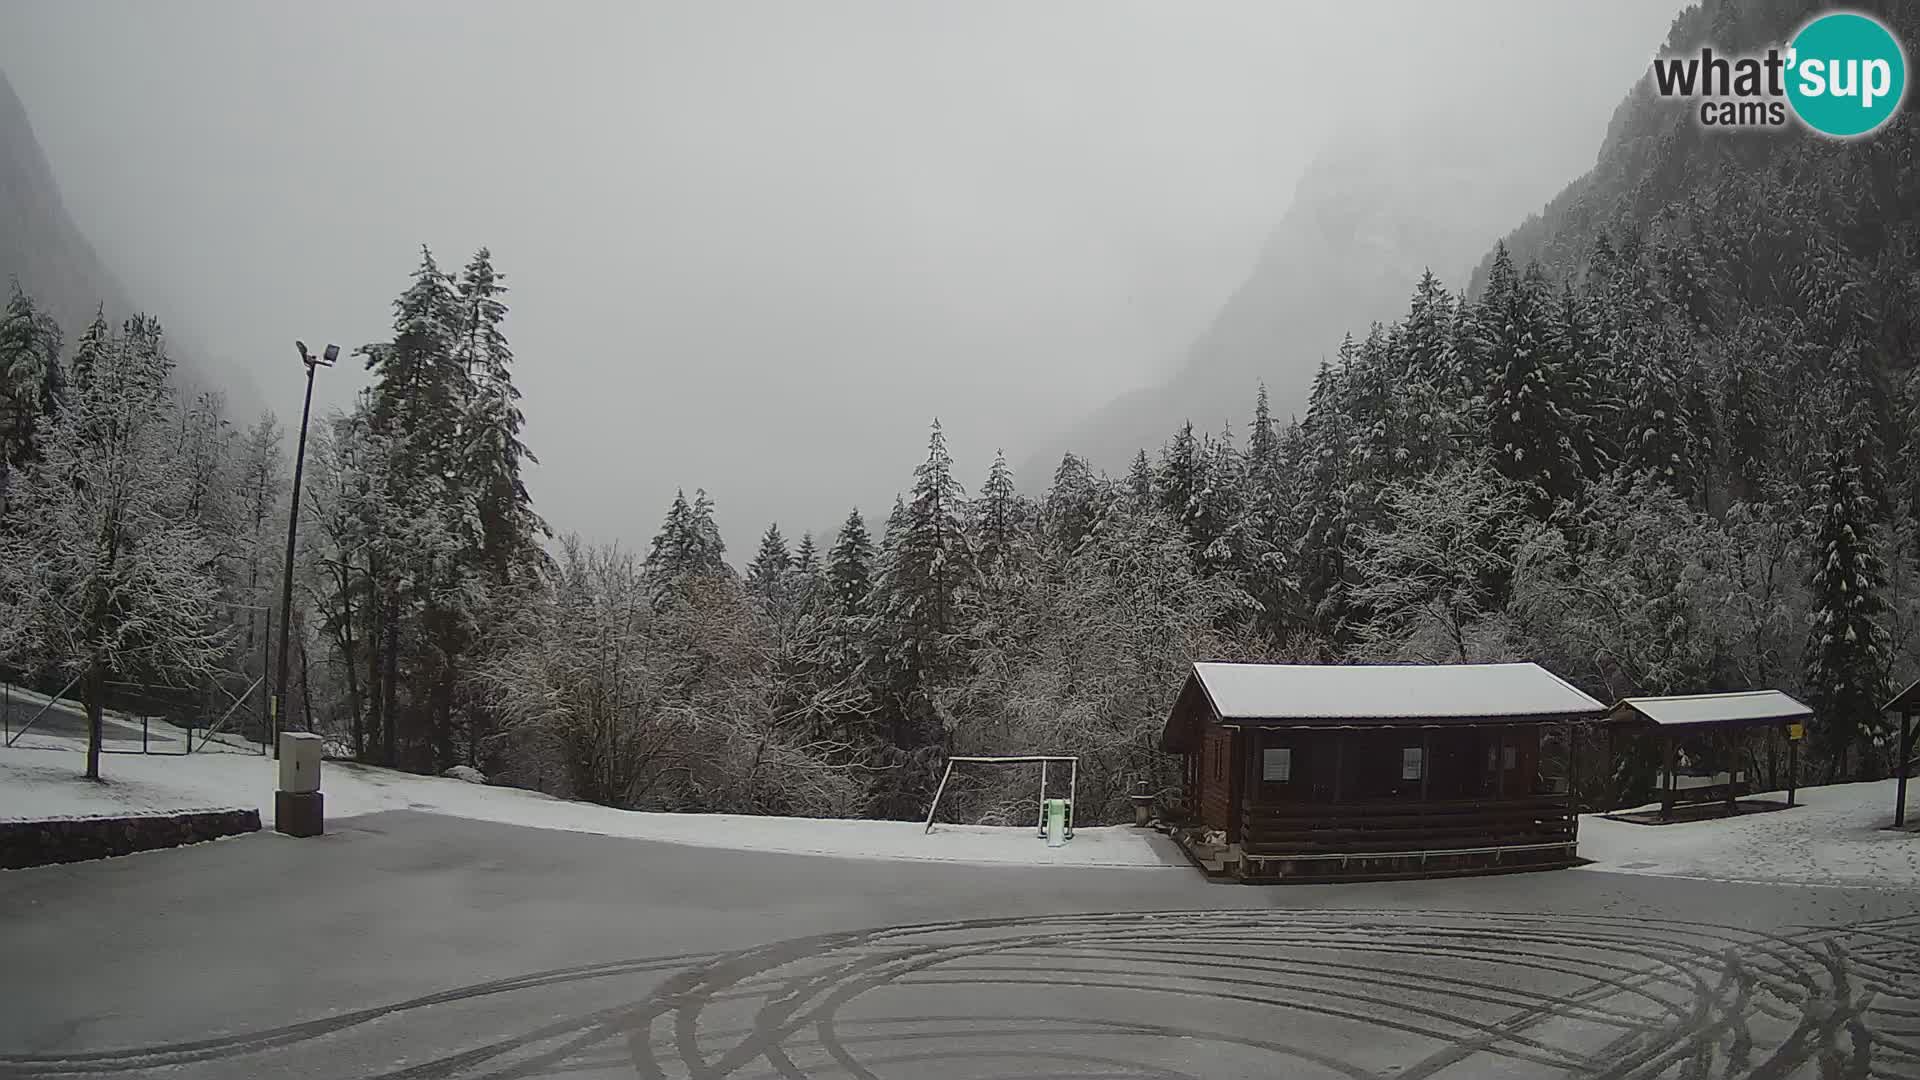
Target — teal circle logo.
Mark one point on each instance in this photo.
(1847, 74)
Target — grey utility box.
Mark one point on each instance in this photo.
(297, 806)
(299, 762)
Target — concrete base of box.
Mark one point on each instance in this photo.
(298, 813)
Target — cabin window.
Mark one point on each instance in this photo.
(1413, 762)
(1510, 757)
(1219, 762)
(1276, 764)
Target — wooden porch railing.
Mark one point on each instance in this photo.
(1391, 827)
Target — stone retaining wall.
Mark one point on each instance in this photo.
(59, 840)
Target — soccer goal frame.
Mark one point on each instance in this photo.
(1044, 760)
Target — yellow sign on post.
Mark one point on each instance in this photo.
(1796, 731)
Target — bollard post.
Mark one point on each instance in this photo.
(298, 809)
(1142, 799)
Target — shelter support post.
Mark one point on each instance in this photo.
(1607, 792)
(1666, 790)
(1733, 767)
(1793, 769)
(1906, 758)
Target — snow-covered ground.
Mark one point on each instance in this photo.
(1837, 837)
(42, 782)
(23, 703)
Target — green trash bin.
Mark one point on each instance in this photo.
(1059, 818)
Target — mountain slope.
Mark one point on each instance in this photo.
(43, 248)
(1789, 252)
(39, 243)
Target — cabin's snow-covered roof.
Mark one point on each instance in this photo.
(1739, 707)
(1329, 692)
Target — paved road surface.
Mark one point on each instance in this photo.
(410, 945)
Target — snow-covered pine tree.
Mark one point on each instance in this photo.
(1573, 337)
(431, 592)
(672, 544)
(709, 552)
(997, 516)
(1846, 661)
(1530, 417)
(419, 385)
(850, 569)
(1072, 505)
(767, 573)
(101, 571)
(88, 351)
(490, 424)
(1140, 491)
(806, 557)
(1435, 388)
(1269, 484)
(807, 573)
(32, 382)
(1656, 434)
(1179, 477)
(929, 561)
(688, 544)
(1218, 530)
(1748, 406)
(1373, 405)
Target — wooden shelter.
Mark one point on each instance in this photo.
(1710, 722)
(1328, 772)
(1906, 704)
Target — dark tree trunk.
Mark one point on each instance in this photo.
(353, 668)
(390, 678)
(376, 698)
(91, 688)
(306, 684)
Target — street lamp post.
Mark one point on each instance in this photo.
(279, 708)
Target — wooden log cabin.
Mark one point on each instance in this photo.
(1334, 772)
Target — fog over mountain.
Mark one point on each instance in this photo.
(1381, 203)
(40, 246)
(756, 251)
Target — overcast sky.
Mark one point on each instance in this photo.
(756, 247)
